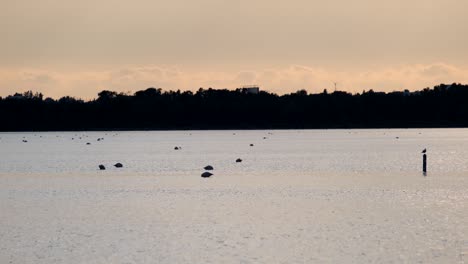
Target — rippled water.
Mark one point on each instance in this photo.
(299, 196)
(287, 151)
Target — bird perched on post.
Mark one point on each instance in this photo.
(424, 151)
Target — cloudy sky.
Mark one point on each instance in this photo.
(63, 47)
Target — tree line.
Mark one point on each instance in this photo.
(442, 106)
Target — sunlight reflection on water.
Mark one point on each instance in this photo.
(289, 151)
(299, 196)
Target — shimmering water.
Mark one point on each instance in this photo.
(294, 151)
(299, 196)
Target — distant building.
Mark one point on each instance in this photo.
(251, 89)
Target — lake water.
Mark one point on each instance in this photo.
(298, 196)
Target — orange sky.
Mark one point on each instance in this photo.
(80, 47)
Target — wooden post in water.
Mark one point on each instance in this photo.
(424, 163)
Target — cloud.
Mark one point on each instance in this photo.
(437, 70)
(246, 77)
(86, 84)
(38, 78)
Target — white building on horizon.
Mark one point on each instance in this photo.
(251, 89)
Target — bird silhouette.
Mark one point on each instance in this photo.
(424, 151)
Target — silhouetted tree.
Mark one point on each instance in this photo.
(152, 108)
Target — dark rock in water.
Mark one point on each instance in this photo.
(251, 145)
(88, 143)
(25, 141)
(209, 167)
(101, 167)
(118, 165)
(264, 137)
(238, 160)
(206, 174)
(176, 148)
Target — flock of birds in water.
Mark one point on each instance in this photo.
(207, 168)
(118, 165)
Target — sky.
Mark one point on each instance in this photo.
(78, 48)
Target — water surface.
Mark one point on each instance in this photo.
(299, 196)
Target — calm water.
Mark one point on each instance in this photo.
(299, 196)
(287, 151)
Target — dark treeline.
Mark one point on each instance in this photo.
(442, 106)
